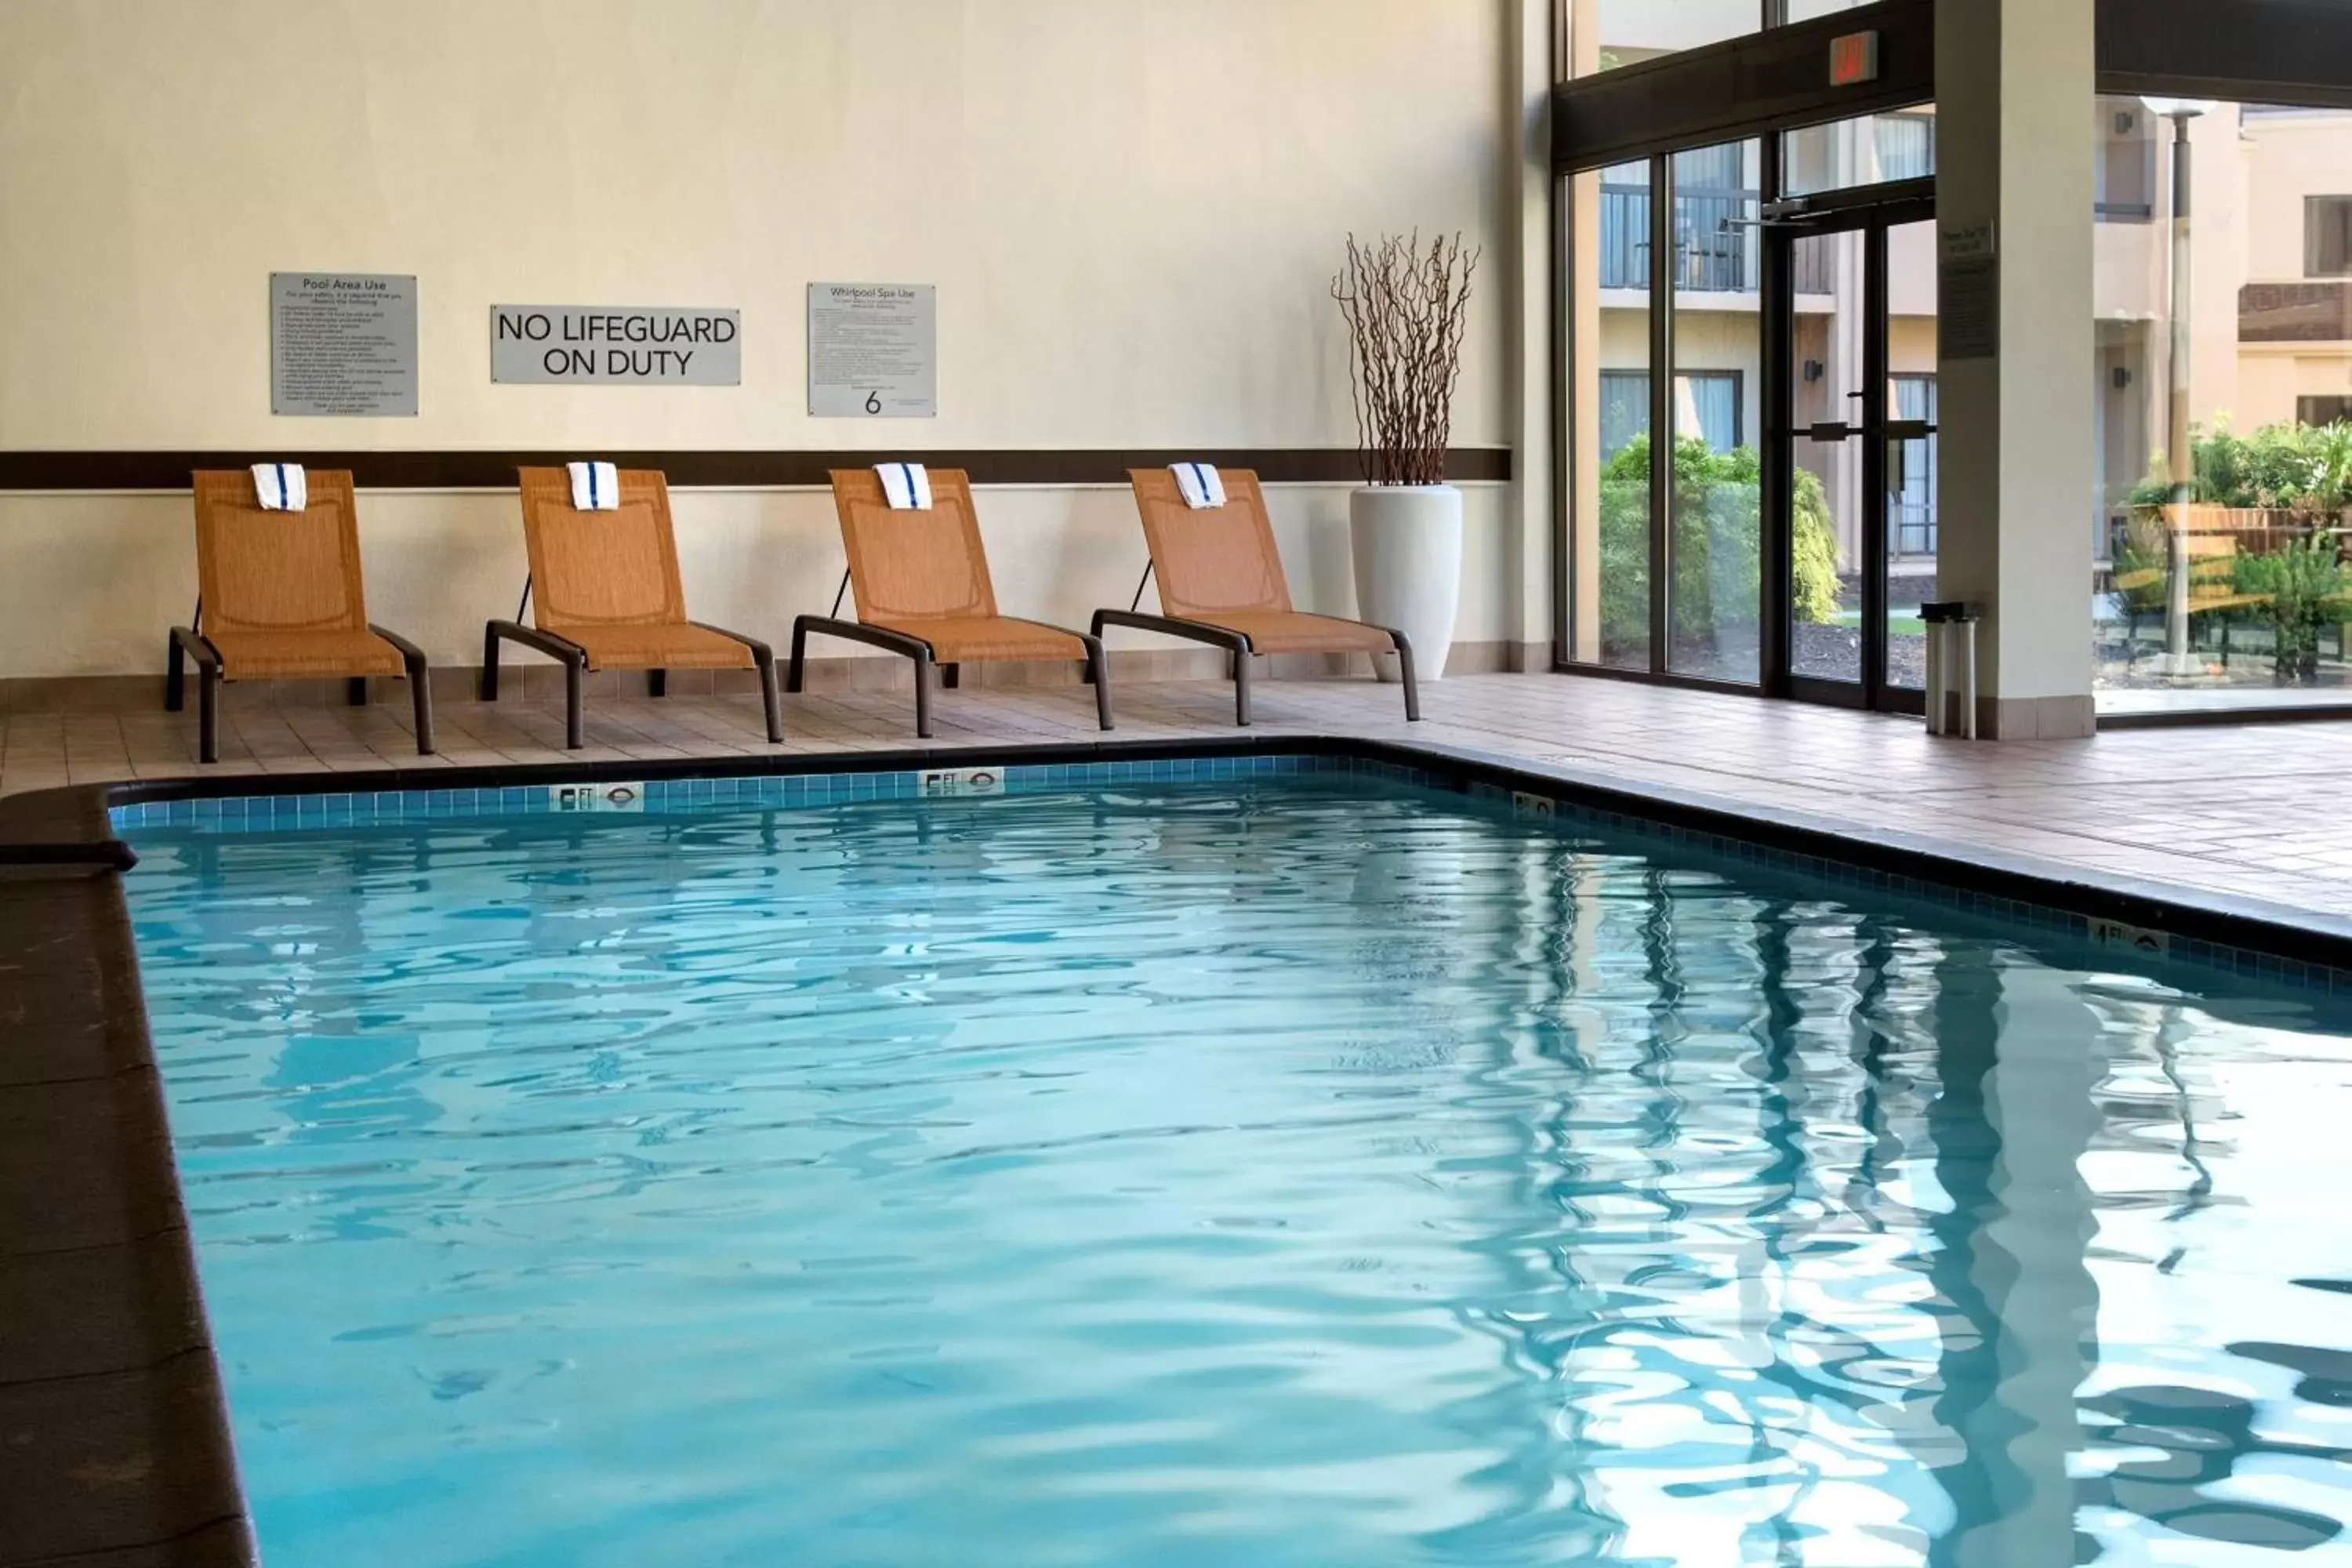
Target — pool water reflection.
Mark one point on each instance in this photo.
(1311, 1171)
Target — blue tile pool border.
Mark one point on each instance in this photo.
(284, 812)
(2282, 951)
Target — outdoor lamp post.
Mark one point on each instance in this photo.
(2179, 453)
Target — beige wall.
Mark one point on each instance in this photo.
(1131, 250)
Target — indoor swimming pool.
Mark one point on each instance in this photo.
(1288, 1167)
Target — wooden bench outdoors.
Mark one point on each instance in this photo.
(2212, 585)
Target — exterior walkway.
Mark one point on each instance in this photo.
(2258, 813)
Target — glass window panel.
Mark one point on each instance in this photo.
(1715, 512)
(2219, 579)
(1631, 31)
(1828, 508)
(1869, 149)
(1625, 409)
(1608, 543)
(1715, 233)
(1913, 538)
(1624, 253)
(1708, 405)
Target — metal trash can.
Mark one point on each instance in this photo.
(1951, 642)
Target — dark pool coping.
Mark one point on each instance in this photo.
(114, 1430)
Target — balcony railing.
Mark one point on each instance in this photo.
(1714, 240)
(1624, 238)
(2315, 312)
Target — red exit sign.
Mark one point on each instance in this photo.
(1853, 60)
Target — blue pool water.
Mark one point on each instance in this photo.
(1310, 1172)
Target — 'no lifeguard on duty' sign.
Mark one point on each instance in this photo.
(615, 345)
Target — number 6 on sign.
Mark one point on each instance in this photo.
(873, 351)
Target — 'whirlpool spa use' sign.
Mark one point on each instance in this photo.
(615, 345)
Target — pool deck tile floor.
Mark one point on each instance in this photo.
(2254, 812)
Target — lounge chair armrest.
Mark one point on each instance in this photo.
(857, 631)
(761, 652)
(1169, 626)
(199, 646)
(547, 643)
(408, 650)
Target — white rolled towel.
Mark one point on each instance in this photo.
(281, 487)
(905, 486)
(1203, 487)
(596, 486)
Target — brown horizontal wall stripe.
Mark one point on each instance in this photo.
(144, 471)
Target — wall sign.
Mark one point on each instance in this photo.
(1967, 308)
(873, 351)
(1968, 291)
(615, 345)
(342, 343)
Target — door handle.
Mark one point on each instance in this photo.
(1838, 431)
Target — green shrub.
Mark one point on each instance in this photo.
(1717, 527)
(2289, 467)
(2306, 587)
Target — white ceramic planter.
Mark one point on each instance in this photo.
(1408, 545)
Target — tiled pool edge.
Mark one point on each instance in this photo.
(113, 1417)
(134, 1464)
(2238, 936)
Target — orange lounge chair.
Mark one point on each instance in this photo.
(1220, 583)
(923, 590)
(279, 597)
(610, 598)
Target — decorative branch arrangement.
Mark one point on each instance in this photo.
(1406, 307)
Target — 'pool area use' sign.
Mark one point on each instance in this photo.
(342, 343)
(610, 346)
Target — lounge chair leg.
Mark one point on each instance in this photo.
(950, 676)
(770, 700)
(355, 692)
(175, 676)
(1241, 689)
(420, 697)
(208, 684)
(1099, 674)
(491, 664)
(923, 696)
(420, 693)
(657, 683)
(1412, 681)
(793, 671)
(575, 720)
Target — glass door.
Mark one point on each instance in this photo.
(1854, 411)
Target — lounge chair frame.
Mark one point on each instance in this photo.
(1237, 643)
(188, 644)
(576, 663)
(922, 653)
